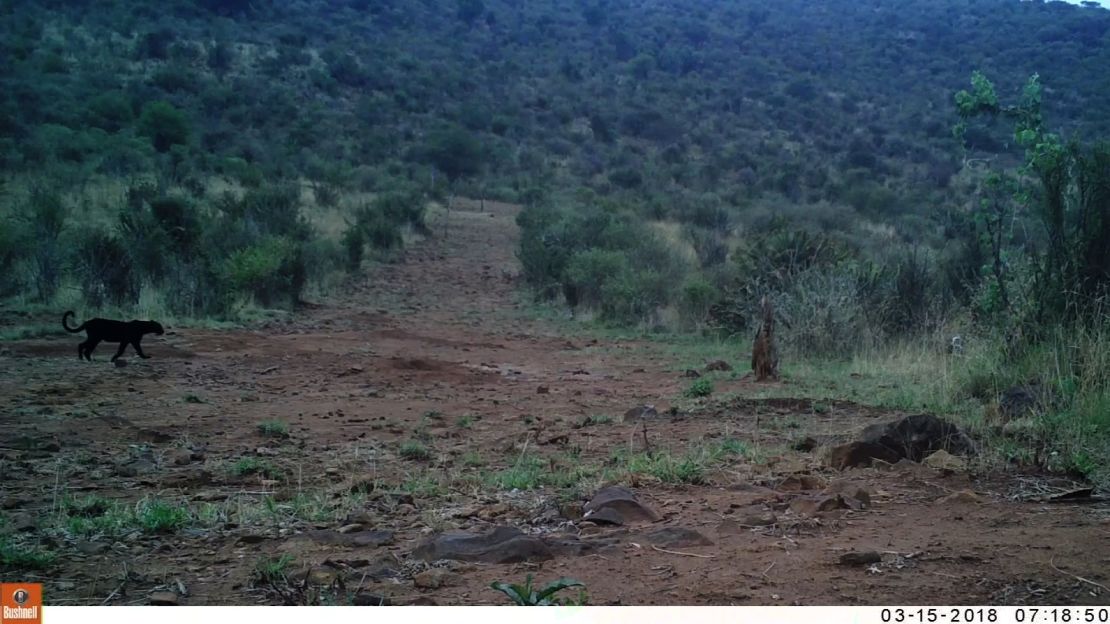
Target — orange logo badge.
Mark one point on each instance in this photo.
(21, 603)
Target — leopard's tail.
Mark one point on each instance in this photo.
(72, 330)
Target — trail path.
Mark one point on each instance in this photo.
(435, 352)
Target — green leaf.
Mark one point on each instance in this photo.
(559, 584)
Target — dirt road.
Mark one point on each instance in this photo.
(234, 464)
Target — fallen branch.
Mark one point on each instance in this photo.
(1052, 562)
(684, 554)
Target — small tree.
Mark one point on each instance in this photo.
(1071, 198)
(164, 125)
(457, 155)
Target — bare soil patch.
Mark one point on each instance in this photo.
(336, 456)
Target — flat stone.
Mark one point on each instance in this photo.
(860, 558)
(503, 544)
(943, 460)
(619, 506)
(165, 599)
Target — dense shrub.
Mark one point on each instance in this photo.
(13, 246)
(269, 270)
(600, 257)
(698, 296)
(102, 264)
(165, 125)
(45, 215)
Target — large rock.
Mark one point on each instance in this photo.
(501, 545)
(618, 505)
(913, 437)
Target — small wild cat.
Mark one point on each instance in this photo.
(123, 332)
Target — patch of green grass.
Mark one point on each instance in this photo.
(466, 421)
(273, 429)
(732, 446)
(412, 449)
(253, 465)
(18, 557)
(691, 467)
(192, 398)
(91, 506)
(273, 570)
(423, 485)
(93, 516)
(156, 516)
(531, 472)
(666, 467)
(473, 459)
(309, 508)
(699, 388)
(526, 474)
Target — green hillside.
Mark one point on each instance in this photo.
(716, 139)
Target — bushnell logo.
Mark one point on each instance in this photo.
(22, 603)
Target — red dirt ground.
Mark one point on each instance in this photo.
(435, 348)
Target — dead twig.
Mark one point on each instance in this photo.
(684, 554)
(1052, 562)
(764, 574)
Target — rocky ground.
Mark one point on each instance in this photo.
(420, 436)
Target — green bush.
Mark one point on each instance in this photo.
(699, 388)
(697, 297)
(378, 229)
(45, 215)
(590, 271)
(103, 266)
(269, 270)
(164, 125)
(13, 246)
(354, 245)
(110, 111)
